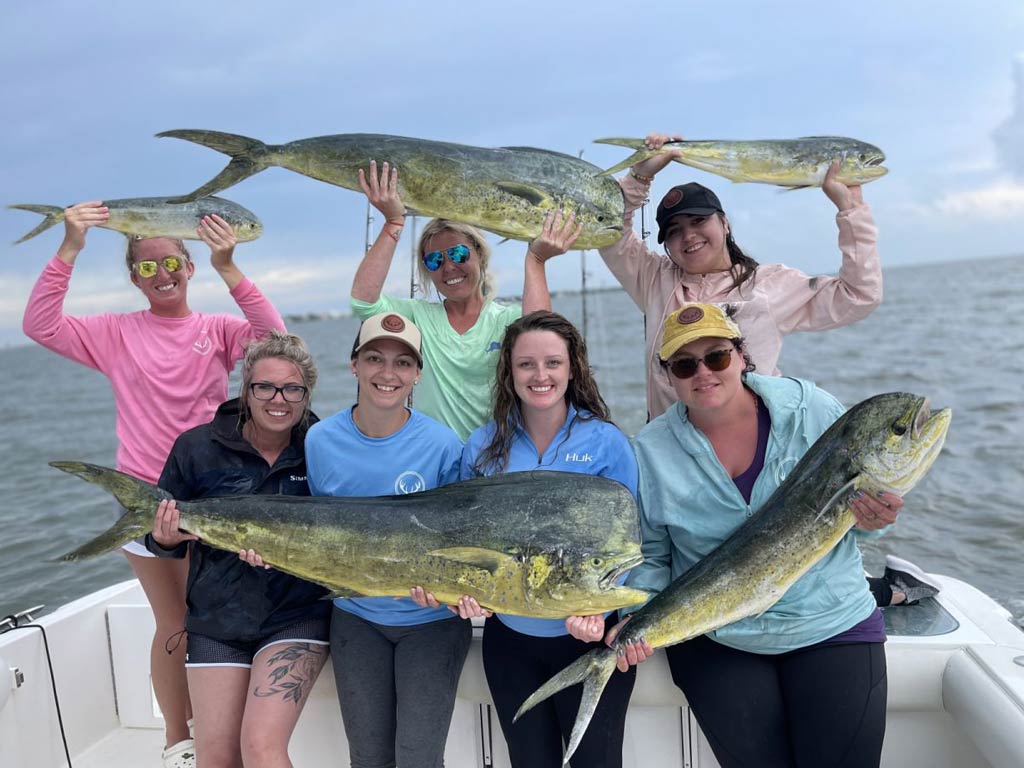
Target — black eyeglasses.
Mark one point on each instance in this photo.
(686, 367)
(292, 393)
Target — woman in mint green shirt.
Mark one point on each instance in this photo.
(462, 333)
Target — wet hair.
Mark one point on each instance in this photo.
(475, 239)
(742, 266)
(133, 243)
(283, 346)
(581, 392)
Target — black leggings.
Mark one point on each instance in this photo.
(817, 707)
(516, 665)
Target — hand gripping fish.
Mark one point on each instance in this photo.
(544, 544)
(887, 442)
(507, 190)
(793, 163)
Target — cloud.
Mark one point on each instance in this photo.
(1009, 137)
(1002, 200)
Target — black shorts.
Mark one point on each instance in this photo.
(204, 651)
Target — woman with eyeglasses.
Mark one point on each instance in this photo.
(703, 263)
(168, 367)
(257, 637)
(462, 333)
(396, 663)
(548, 414)
(804, 683)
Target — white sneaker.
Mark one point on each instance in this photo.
(903, 576)
(180, 755)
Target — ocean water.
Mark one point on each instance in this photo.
(950, 331)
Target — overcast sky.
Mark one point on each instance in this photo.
(938, 86)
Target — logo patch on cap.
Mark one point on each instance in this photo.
(393, 324)
(672, 198)
(690, 315)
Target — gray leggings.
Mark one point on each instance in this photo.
(396, 687)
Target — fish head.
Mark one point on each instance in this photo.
(247, 229)
(860, 163)
(894, 438)
(600, 212)
(586, 581)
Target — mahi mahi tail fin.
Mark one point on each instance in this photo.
(248, 157)
(641, 154)
(53, 214)
(593, 669)
(138, 497)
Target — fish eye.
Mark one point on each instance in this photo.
(863, 157)
(899, 429)
(596, 562)
(600, 218)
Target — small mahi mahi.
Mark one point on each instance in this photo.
(144, 217)
(792, 163)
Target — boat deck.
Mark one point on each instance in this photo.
(956, 694)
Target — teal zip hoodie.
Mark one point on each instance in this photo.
(689, 505)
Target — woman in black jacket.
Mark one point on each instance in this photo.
(257, 637)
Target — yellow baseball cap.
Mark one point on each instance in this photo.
(695, 321)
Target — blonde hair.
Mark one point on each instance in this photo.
(286, 346)
(476, 240)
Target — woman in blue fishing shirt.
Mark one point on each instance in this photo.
(804, 683)
(549, 414)
(396, 664)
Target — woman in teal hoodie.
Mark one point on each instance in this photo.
(804, 683)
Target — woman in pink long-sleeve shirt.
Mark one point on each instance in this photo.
(702, 263)
(168, 367)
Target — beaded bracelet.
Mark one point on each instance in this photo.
(641, 177)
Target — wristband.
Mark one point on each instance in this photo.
(399, 223)
(641, 177)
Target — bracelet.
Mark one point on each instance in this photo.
(641, 177)
(399, 223)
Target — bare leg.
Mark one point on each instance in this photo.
(219, 694)
(282, 677)
(163, 581)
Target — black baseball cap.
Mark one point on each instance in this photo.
(693, 198)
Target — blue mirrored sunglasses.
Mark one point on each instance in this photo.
(457, 253)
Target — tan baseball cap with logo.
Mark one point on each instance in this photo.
(695, 321)
(390, 325)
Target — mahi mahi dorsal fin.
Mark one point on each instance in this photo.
(478, 557)
(531, 194)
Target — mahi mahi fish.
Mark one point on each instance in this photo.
(887, 442)
(793, 163)
(544, 544)
(158, 217)
(506, 190)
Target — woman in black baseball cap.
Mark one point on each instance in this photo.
(701, 262)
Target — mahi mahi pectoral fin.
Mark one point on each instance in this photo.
(842, 496)
(478, 557)
(531, 194)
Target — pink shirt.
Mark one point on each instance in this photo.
(168, 374)
(777, 301)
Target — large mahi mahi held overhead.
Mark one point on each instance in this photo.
(887, 442)
(507, 190)
(544, 544)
